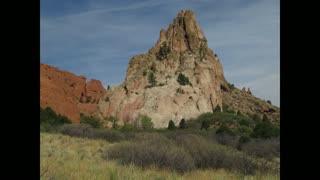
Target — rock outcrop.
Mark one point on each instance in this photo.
(178, 78)
(68, 94)
(249, 91)
(181, 52)
(238, 100)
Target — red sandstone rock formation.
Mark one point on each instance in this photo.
(68, 94)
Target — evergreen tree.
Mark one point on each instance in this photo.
(171, 125)
(152, 79)
(182, 124)
(205, 124)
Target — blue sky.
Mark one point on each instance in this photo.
(97, 38)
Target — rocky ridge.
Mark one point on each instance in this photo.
(68, 94)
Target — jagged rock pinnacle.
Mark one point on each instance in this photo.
(181, 51)
(183, 34)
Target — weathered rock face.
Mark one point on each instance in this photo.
(181, 49)
(239, 100)
(68, 94)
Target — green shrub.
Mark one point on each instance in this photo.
(265, 130)
(269, 102)
(244, 139)
(205, 124)
(217, 109)
(223, 129)
(179, 90)
(244, 130)
(88, 99)
(114, 121)
(128, 127)
(265, 118)
(231, 86)
(146, 123)
(163, 52)
(256, 118)
(107, 99)
(171, 125)
(49, 120)
(246, 121)
(152, 79)
(92, 121)
(183, 80)
(182, 124)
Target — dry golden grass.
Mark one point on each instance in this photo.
(64, 157)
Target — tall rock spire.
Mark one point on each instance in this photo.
(180, 54)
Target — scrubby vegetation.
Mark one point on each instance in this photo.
(183, 80)
(146, 123)
(213, 141)
(180, 91)
(152, 79)
(163, 52)
(65, 157)
(92, 121)
(114, 121)
(88, 99)
(50, 120)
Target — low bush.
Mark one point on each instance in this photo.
(49, 120)
(88, 99)
(265, 130)
(92, 121)
(180, 91)
(86, 131)
(217, 109)
(146, 123)
(152, 79)
(152, 150)
(263, 148)
(228, 140)
(183, 80)
(128, 127)
(223, 129)
(210, 155)
(114, 121)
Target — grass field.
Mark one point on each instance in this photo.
(64, 157)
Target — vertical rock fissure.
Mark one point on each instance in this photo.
(211, 103)
(185, 33)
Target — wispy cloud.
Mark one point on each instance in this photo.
(98, 38)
